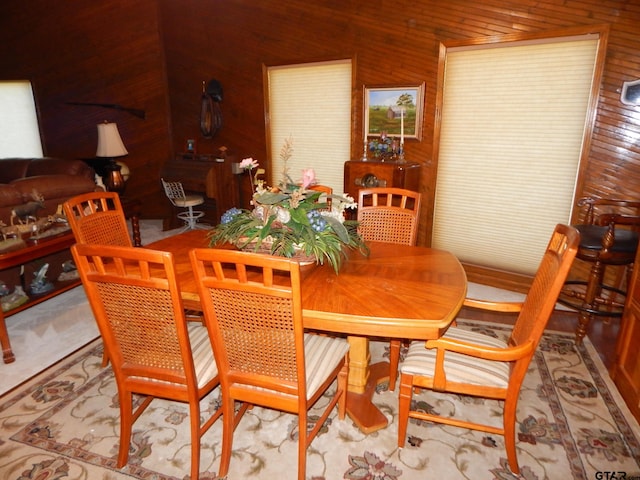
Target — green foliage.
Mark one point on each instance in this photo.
(287, 230)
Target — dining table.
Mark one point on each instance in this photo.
(396, 291)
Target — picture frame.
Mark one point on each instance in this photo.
(382, 110)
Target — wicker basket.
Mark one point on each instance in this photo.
(265, 248)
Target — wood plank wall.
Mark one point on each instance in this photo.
(102, 52)
(155, 54)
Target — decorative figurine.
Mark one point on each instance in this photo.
(40, 284)
(13, 300)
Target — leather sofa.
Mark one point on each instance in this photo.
(55, 179)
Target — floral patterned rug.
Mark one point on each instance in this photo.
(572, 424)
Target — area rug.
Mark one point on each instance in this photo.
(572, 424)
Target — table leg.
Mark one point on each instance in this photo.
(7, 353)
(363, 380)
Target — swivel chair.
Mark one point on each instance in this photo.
(175, 193)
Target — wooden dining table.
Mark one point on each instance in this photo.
(395, 292)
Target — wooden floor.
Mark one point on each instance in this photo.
(602, 335)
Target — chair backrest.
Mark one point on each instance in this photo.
(328, 191)
(389, 215)
(98, 218)
(173, 190)
(253, 310)
(136, 302)
(602, 211)
(546, 286)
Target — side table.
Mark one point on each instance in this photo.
(131, 209)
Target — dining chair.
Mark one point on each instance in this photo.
(154, 351)
(471, 363)
(97, 217)
(178, 198)
(609, 232)
(324, 189)
(252, 308)
(389, 214)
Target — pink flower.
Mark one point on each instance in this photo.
(308, 177)
(248, 163)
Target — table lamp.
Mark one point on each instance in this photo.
(110, 146)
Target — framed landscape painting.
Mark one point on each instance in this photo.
(396, 110)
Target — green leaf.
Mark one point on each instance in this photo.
(271, 198)
(339, 228)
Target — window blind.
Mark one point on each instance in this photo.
(310, 104)
(511, 136)
(18, 121)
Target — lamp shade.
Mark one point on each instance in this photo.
(109, 142)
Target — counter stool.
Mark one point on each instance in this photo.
(608, 236)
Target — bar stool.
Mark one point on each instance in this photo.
(175, 194)
(608, 236)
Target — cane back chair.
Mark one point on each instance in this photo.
(389, 215)
(153, 350)
(471, 363)
(252, 308)
(98, 218)
(326, 191)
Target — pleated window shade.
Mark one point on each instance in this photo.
(18, 121)
(310, 104)
(511, 137)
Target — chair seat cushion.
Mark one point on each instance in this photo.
(626, 241)
(459, 368)
(189, 201)
(322, 356)
(204, 362)
(203, 359)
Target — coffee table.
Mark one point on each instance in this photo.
(33, 251)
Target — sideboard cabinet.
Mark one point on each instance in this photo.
(626, 369)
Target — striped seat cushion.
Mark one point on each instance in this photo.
(322, 355)
(203, 359)
(458, 367)
(204, 362)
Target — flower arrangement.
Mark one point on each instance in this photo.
(290, 219)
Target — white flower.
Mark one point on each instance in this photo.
(283, 215)
(248, 163)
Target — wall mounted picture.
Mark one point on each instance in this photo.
(396, 110)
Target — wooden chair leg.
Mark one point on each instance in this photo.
(394, 360)
(105, 359)
(126, 421)
(228, 426)
(404, 404)
(194, 419)
(509, 426)
(302, 445)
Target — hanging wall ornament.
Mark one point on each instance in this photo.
(210, 112)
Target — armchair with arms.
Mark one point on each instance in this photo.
(471, 363)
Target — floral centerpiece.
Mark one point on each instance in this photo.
(289, 220)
